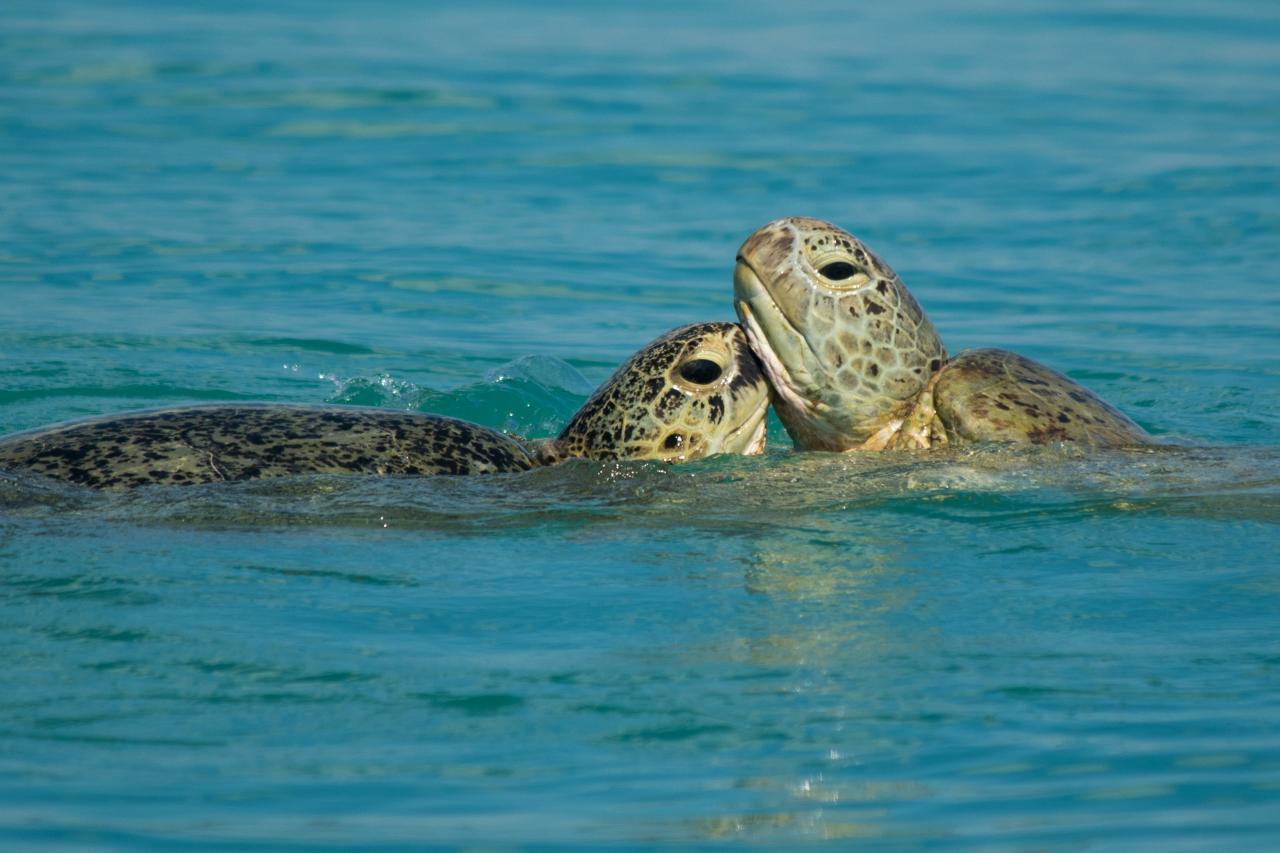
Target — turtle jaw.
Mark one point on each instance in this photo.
(768, 331)
(748, 437)
(789, 362)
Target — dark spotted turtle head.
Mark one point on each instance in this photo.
(696, 391)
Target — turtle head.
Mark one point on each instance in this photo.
(696, 391)
(845, 346)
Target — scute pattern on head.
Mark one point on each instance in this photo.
(649, 410)
(845, 350)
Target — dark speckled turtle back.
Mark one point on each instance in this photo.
(856, 365)
(205, 444)
(997, 395)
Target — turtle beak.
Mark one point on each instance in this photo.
(768, 332)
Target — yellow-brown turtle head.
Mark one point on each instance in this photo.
(845, 346)
(696, 391)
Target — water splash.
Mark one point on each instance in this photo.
(532, 396)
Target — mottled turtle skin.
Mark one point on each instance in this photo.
(696, 391)
(649, 409)
(855, 363)
(203, 444)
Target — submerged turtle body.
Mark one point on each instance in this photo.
(695, 391)
(855, 363)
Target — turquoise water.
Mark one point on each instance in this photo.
(481, 209)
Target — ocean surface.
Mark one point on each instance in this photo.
(481, 209)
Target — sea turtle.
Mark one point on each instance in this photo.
(695, 391)
(856, 365)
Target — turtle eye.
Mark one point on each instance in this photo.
(838, 271)
(701, 371)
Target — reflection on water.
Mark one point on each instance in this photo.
(821, 646)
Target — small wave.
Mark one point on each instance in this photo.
(532, 396)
